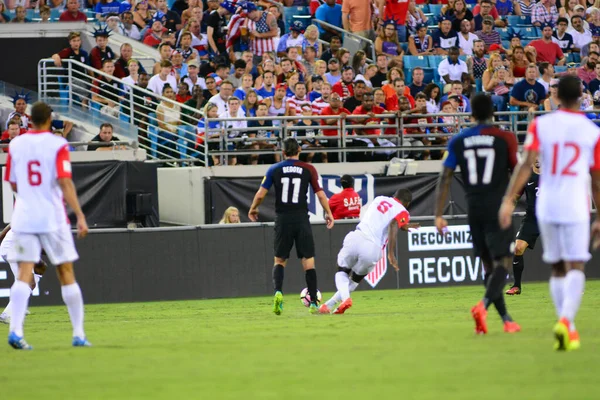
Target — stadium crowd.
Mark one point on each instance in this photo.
(241, 59)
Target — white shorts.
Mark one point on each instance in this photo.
(359, 253)
(565, 242)
(59, 246)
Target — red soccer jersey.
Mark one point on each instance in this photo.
(328, 111)
(344, 90)
(361, 111)
(345, 204)
(396, 10)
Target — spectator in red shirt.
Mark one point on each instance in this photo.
(102, 51)
(347, 203)
(154, 37)
(397, 11)
(334, 108)
(391, 102)
(72, 13)
(369, 110)
(13, 130)
(546, 49)
(345, 87)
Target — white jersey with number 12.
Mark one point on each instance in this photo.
(380, 213)
(569, 147)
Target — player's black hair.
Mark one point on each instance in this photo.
(482, 107)
(41, 113)
(404, 195)
(569, 90)
(347, 181)
(291, 147)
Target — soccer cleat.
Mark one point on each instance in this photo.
(346, 304)
(18, 342)
(79, 342)
(511, 327)
(574, 343)
(479, 314)
(4, 318)
(561, 334)
(313, 309)
(278, 303)
(513, 291)
(324, 309)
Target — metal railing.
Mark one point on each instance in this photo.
(73, 87)
(351, 36)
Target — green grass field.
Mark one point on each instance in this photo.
(409, 344)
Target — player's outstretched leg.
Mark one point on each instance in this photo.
(342, 283)
(278, 272)
(71, 294)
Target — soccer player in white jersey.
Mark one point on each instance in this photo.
(569, 148)
(362, 247)
(39, 170)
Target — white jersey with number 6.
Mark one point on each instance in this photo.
(375, 222)
(569, 147)
(36, 160)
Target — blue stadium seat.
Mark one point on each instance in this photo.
(429, 75)
(54, 14)
(170, 3)
(434, 61)
(416, 61)
(470, 6)
(559, 69)
(516, 20)
(573, 58)
(435, 9)
(424, 8)
(31, 14)
(432, 21)
(506, 44)
(152, 134)
(404, 47)
(505, 33)
(479, 85)
(463, 57)
(528, 32)
(525, 42)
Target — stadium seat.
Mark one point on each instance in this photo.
(505, 33)
(574, 58)
(435, 9)
(434, 61)
(152, 134)
(429, 75)
(470, 6)
(528, 32)
(55, 14)
(506, 44)
(404, 47)
(424, 8)
(290, 12)
(185, 132)
(306, 20)
(463, 57)
(516, 20)
(559, 69)
(411, 62)
(479, 85)
(525, 42)
(432, 21)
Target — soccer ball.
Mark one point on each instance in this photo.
(305, 297)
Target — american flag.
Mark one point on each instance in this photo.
(234, 29)
(379, 271)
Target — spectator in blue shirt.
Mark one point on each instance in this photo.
(445, 37)
(528, 93)
(331, 13)
(105, 7)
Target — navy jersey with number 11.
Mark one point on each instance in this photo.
(485, 155)
(291, 179)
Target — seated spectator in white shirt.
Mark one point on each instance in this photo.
(158, 81)
(581, 36)
(234, 129)
(220, 99)
(452, 68)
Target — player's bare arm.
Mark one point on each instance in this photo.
(391, 245)
(325, 204)
(596, 195)
(259, 197)
(4, 232)
(443, 187)
(70, 196)
(412, 225)
(518, 180)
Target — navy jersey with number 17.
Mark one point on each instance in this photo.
(485, 155)
(291, 179)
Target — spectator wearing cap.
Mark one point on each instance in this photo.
(445, 37)
(316, 84)
(72, 13)
(345, 87)
(154, 35)
(216, 24)
(262, 29)
(528, 93)
(466, 38)
(552, 103)
(335, 74)
(319, 103)
(546, 49)
(486, 9)
(420, 44)
(586, 72)
(561, 37)
(331, 13)
(334, 46)
(488, 34)
(452, 68)
(356, 18)
(387, 42)
(360, 88)
(294, 38)
(581, 36)
(347, 203)
(544, 12)
(192, 78)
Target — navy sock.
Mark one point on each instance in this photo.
(495, 285)
(311, 284)
(278, 277)
(518, 267)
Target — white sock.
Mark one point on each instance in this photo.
(19, 298)
(352, 286)
(341, 282)
(574, 285)
(72, 297)
(557, 287)
(337, 297)
(36, 279)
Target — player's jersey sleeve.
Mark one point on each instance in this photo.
(63, 163)
(512, 148)
(9, 173)
(596, 161)
(314, 179)
(532, 141)
(451, 160)
(403, 217)
(267, 181)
